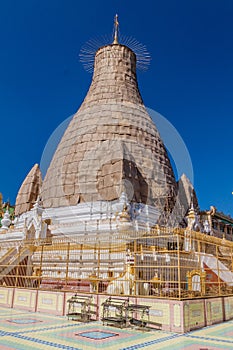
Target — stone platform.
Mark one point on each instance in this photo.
(167, 315)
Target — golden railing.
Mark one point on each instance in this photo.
(162, 263)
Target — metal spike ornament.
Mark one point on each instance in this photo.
(116, 30)
(87, 52)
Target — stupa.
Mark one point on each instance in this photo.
(111, 154)
(109, 218)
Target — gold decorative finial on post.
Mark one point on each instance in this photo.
(116, 30)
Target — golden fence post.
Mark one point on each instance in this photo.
(98, 270)
(95, 254)
(199, 246)
(199, 249)
(135, 258)
(17, 268)
(202, 249)
(179, 278)
(219, 287)
(27, 275)
(67, 261)
(109, 259)
(40, 271)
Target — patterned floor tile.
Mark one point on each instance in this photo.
(20, 330)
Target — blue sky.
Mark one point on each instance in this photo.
(190, 79)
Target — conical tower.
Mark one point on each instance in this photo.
(29, 191)
(111, 145)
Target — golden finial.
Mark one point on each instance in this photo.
(116, 30)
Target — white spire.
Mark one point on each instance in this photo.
(6, 221)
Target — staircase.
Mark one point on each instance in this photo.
(10, 259)
(218, 268)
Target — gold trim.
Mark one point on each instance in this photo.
(202, 275)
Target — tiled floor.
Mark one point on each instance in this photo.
(31, 331)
